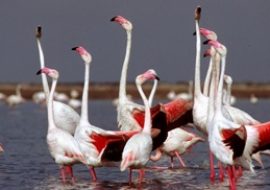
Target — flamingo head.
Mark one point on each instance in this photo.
(228, 79)
(126, 24)
(85, 55)
(198, 11)
(220, 48)
(50, 72)
(208, 34)
(209, 52)
(148, 75)
(38, 32)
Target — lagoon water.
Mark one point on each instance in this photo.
(26, 163)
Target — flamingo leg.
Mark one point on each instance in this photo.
(63, 174)
(130, 176)
(221, 171)
(69, 170)
(231, 178)
(172, 162)
(141, 175)
(180, 159)
(212, 169)
(93, 173)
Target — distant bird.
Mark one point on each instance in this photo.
(74, 102)
(64, 149)
(2, 96)
(176, 144)
(253, 99)
(15, 99)
(61, 97)
(39, 97)
(186, 96)
(65, 117)
(227, 96)
(138, 148)
(93, 140)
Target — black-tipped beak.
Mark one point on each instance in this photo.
(39, 72)
(198, 13)
(74, 48)
(205, 55)
(113, 19)
(157, 78)
(194, 33)
(38, 32)
(206, 42)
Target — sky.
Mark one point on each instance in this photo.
(162, 38)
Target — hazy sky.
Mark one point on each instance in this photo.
(162, 37)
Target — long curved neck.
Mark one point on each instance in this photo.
(220, 84)
(50, 106)
(212, 90)
(197, 80)
(122, 90)
(147, 120)
(152, 93)
(42, 64)
(207, 78)
(84, 108)
(228, 94)
(18, 91)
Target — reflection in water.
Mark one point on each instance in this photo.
(26, 163)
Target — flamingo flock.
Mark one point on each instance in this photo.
(144, 133)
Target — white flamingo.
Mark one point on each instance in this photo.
(130, 115)
(73, 101)
(65, 117)
(176, 144)
(93, 140)
(138, 148)
(15, 99)
(39, 97)
(63, 147)
(228, 98)
(186, 96)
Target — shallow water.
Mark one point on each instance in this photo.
(26, 163)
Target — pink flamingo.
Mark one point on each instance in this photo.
(130, 115)
(65, 117)
(63, 147)
(93, 140)
(176, 144)
(138, 148)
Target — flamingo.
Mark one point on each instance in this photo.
(39, 97)
(138, 148)
(65, 117)
(94, 140)
(15, 99)
(130, 115)
(186, 96)
(73, 101)
(176, 144)
(227, 97)
(238, 140)
(64, 149)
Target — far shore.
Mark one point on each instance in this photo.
(110, 90)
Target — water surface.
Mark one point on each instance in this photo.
(26, 163)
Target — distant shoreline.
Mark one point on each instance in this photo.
(110, 90)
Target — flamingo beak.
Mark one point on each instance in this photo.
(206, 42)
(113, 19)
(38, 32)
(194, 33)
(39, 72)
(156, 77)
(74, 48)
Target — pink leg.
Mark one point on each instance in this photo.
(69, 171)
(221, 171)
(141, 175)
(212, 169)
(180, 159)
(63, 174)
(171, 161)
(130, 176)
(231, 178)
(93, 173)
